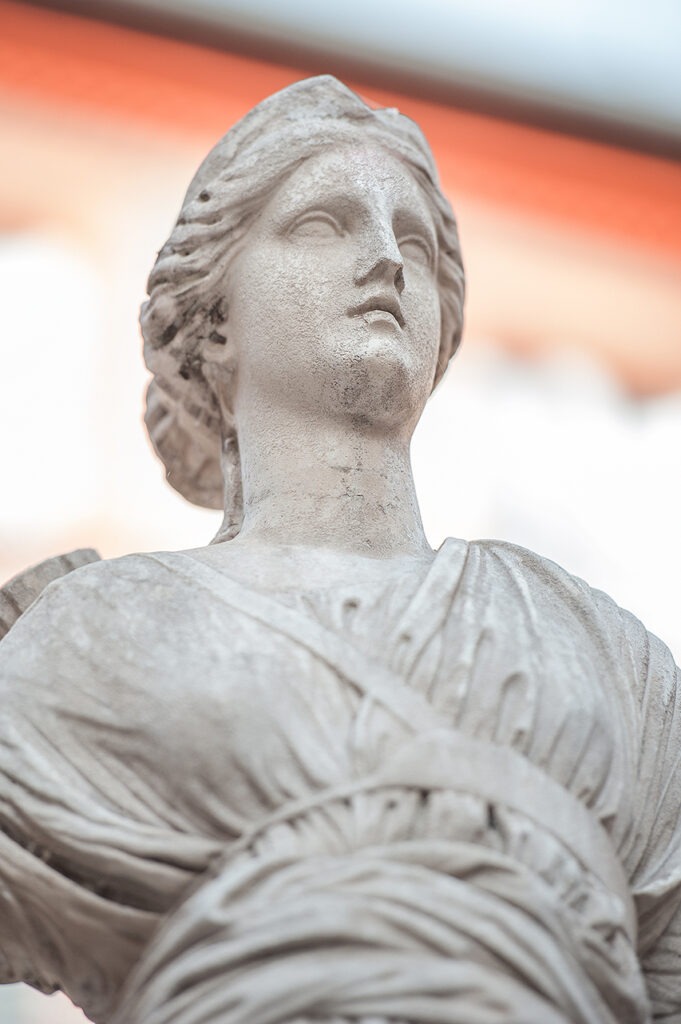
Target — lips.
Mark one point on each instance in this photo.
(383, 303)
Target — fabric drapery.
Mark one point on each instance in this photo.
(473, 771)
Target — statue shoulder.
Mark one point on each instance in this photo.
(100, 620)
(79, 580)
(539, 573)
(559, 597)
(19, 593)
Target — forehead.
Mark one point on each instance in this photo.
(364, 174)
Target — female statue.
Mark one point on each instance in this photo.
(316, 772)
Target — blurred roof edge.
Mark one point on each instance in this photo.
(222, 28)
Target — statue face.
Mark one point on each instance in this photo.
(333, 299)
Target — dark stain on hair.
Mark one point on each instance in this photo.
(168, 334)
(204, 196)
(216, 313)
(217, 338)
(191, 367)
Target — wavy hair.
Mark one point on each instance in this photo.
(185, 320)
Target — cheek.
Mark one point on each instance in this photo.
(425, 313)
(257, 299)
(279, 295)
(280, 310)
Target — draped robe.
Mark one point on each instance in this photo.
(454, 800)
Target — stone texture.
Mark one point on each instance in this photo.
(19, 593)
(315, 771)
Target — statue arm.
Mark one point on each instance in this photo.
(30, 617)
(19, 937)
(65, 825)
(656, 852)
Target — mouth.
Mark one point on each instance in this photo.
(379, 307)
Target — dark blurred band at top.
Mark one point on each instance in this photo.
(582, 69)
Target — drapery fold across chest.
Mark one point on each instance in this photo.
(288, 709)
(307, 675)
(512, 681)
(443, 756)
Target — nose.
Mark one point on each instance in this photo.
(381, 260)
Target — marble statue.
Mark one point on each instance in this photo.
(315, 771)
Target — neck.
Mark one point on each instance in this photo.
(327, 485)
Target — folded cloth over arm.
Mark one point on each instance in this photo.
(654, 855)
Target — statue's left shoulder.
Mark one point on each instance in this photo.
(539, 577)
(558, 598)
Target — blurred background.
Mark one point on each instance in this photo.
(557, 130)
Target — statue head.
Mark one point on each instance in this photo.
(186, 320)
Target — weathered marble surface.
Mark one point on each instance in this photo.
(316, 771)
(19, 593)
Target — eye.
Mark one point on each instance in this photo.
(416, 248)
(317, 224)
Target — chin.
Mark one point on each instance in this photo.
(380, 390)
